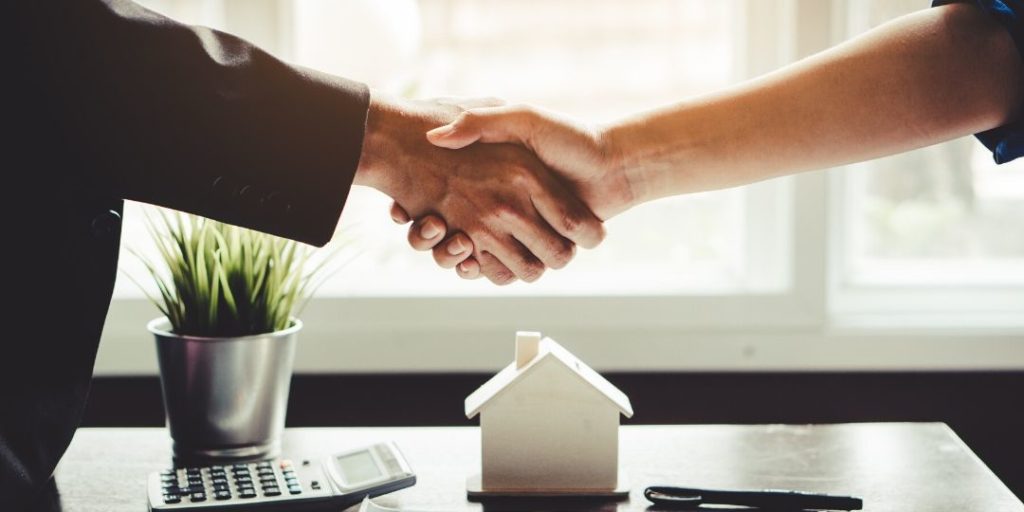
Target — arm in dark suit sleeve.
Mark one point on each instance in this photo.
(201, 121)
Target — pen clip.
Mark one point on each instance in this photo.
(673, 497)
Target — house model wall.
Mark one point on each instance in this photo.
(549, 423)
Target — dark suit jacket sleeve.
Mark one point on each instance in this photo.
(198, 120)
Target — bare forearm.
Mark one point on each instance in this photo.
(919, 80)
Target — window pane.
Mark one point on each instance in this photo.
(941, 215)
(596, 59)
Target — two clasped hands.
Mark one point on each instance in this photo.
(508, 191)
(509, 207)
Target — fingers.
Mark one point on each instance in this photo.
(398, 214)
(427, 232)
(514, 256)
(469, 269)
(552, 249)
(492, 124)
(453, 251)
(567, 214)
(494, 270)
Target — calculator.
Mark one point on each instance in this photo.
(282, 484)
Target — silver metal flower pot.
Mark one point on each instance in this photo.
(225, 398)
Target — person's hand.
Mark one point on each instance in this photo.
(428, 233)
(521, 218)
(580, 154)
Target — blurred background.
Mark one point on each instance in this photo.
(891, 290)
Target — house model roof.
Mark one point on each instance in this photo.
(531, 350)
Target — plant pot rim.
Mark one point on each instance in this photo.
(160, 326)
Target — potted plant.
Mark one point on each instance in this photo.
(226, 341)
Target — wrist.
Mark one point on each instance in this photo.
(370, 169)
(396, 157)
(620, 182)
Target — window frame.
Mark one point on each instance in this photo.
(796, 329)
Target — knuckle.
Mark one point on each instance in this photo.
(562, 255)
(502, 277)
(532, 271)
(504, 212)
(522, 176)
(572, 223)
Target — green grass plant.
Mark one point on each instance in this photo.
(219, 280)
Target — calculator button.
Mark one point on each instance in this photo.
(315, 484)
(273, 491)
(250, 493)
(198, 496)
(294, 489)
(221, 495)
(172, 498)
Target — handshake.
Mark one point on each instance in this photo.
(496, 190)
(508, 191)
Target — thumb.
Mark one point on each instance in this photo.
(497, 124)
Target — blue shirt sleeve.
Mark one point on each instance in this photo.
(1006, 142)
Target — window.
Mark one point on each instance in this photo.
(597, 60)
(941, 228)
(790, 273)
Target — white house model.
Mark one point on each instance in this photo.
(549, 424)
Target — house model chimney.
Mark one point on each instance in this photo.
(527, 346)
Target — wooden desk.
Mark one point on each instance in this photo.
(894, 467)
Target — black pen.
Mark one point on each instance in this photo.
(690, 498)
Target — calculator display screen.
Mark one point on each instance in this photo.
(358, 467)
